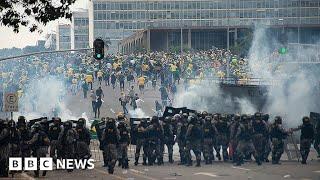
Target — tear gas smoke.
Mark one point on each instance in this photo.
(293, 97)
(137, 113)
(44, 96)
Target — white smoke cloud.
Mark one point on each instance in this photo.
(138, 113)
(292, 97)
(42, 96)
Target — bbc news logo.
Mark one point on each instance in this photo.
(46, 164)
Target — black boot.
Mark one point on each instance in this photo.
(120, 162)
(170, 159)
(144, 161)
(125, 164)
(182, 160)
(136, 161)
(189, 162)
(198, 163)
(150, 161)
(206, 161)
(258, 162)
(218, 156)
(36, 173)
(110, 169)
(160, 161)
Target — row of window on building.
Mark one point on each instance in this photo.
(207, 14)
(216, 4)
(203, 23)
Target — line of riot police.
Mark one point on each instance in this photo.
(25, 139)
(238, 137)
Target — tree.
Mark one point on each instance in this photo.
(107, 43)
(31, 13)
(243, 43)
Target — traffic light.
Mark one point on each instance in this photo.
(98, 46)
(283, 50)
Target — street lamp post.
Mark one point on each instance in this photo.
(181, 28)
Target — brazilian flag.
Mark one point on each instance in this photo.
(93, 130)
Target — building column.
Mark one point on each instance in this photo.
(228, 38)
(189, 38)
(91, 24)
(235, 35)
(167, 41)
(148, 40)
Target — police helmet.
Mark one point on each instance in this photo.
(122, 124)
(305, 120)
(237, 117)
(185, 115)
(278, 120)
(21, 120)
(57, 120)
(167, 119)
(37, 126)
(204, 114)
(244, 117)
(223, 117)
(11, 124)
(81, 122)
(3, 123)
(67, 125)
(192, 119)
(257, 115)
(208, 118)
(177, 117)
(154, 119)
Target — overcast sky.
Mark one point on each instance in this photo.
(10, 39)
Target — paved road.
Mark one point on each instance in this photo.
(77, 105)
(219, 170)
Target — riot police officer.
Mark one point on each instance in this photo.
(14, 139)
(245, 144)
(209, 132)
(168, 139)
(67, 141)
(182, 125)
(317, 138)
(222, 137)
(260, 135)
(4, 148)
(233, 138)
(54, 131)
(155, 136)
(110, 140)
(83, 141)
(25, 133)
(123, 144)
(141, 142)
(39, 143)
(193, 140)
(277, 135)
(265, 118)
(306, 138)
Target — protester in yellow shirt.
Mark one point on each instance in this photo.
(89, 79)
(141, 81)
(99, 75)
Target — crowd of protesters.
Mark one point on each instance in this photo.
(162, 70)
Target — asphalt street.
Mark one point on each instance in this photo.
(219, 170)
